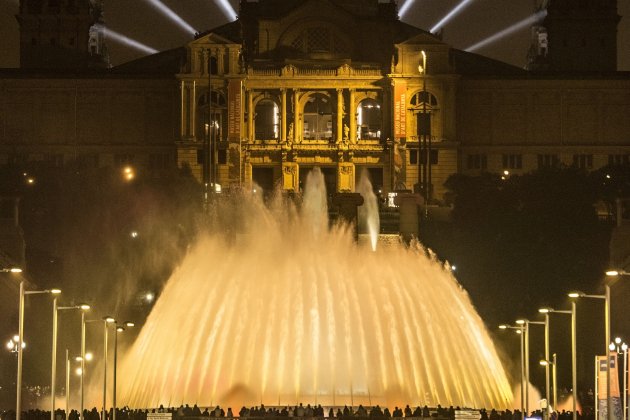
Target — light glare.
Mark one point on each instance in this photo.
(166, 11)
(227, 9)
(125, 40)
(528, 21)
(450, 15)
(404, 8)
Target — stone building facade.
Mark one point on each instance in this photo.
(336, 84)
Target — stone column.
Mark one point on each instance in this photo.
(182, 128)
(339, 115)
(352, 112)
(283, 119)
(220, 61)
(297, 129)
(250, 116)
(193, 114)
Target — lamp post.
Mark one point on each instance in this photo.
(526, 323)
(422, 140)
(573, 313)
(53, 380)
(624, 347)
(520, 330)
(106, 321)
(119, 328)
(23, 293)
(67, 384)
(606, 297)
(618, 273)
(554, 365)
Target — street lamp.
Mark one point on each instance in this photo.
(624, 347)
(11, 270)
(520, 330)
(53, 381)
(606, 297)
(554, 365)
(573, 314)
(105, 320)
(621, 347)
(23, 293)
(13, 343)
(526, 323)
(119, 328)
(423, 181)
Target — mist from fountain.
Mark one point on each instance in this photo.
(368, 213)
(277, 308)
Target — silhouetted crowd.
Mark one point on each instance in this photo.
(308, 411)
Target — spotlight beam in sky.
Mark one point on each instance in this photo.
(125, 40)
(166, 11)
(227, 9)
(528, 21)
(403, 9)
(457, 9)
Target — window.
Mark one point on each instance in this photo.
(321, 39)
(222, 156)
(548, 161)
(121, 159)
(512, 161)
(583, 161)
(477, 161)
(616, 160)
(433, 154)
(420, 102)
(159, 162)
(214, 65)
(413, 157)
(318, 118)
(54, 159)
(267, 120)
(88, 160)
(369, 120)
(201, 157)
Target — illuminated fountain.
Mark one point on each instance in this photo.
(288, 311)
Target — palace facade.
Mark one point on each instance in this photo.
(343, 85)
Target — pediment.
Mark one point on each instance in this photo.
(211, 39)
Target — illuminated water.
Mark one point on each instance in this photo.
(368, 213)
(284, 310)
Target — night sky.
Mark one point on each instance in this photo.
(139, 20)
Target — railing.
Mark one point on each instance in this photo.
(296, 71)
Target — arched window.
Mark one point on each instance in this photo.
(212, 121)
(423, 123)
(267, 120)
(369, 120)
(318, 39)
(318, 118)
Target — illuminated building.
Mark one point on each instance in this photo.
(335, 84)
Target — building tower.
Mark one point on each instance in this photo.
(575, 35)
(61, 34)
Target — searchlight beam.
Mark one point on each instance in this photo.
(450, 15)
(528, 21)
(125, 40)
